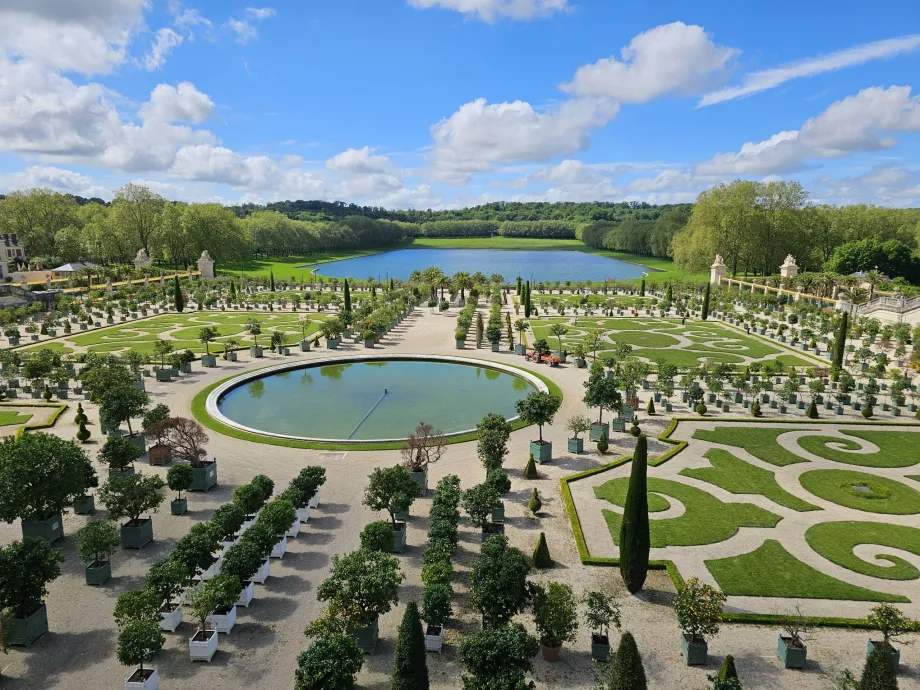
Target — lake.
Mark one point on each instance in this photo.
(546, 266)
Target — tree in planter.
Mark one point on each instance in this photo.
(601, 611)
(538, 408)
(578, 424)
(555, 614)
(699, 610)
(602, 392)
(206, 336)
(165, 580)
(264, 485)
(138, 642)
(309, 480)
(498, 479)
(635, 540)
(118, 452)
(891, 622)
(391, 489)
(120, 405)
(498, 657)
(228, 519)
(39, 475)
(377, 536)
(152, 423)
(436, 608)
(479, 502)
(254, 328)
(196, 549)
(97, 540)
(278, 515)
(410, 669)
(179, 478)
(217, 594)
(424, 447)
(241, 561)
(130, 496)
(362, 585)
(186, 439)
(248, 498)
(332, 661)
(796, 626)
(26, 568)
(557, 330)
(498, 582)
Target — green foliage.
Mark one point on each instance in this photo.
(436, 607)
(498, 657)
(555, 614)
(96, 541)
(602, 444)
(242, 561)
(216, 595)
(362, 584)
(330, 663)
(83, 433)
(699, 609)
(840, 342)
(727, 670)
(227, 519)
(650, 408)
(538, 408)
(601, 611)
(120, 405)
(530, 469)
(498, 479)
(178, 298)
(391, 489)
(378, 536)
(534, 505)
(812, 410)
(128, 497)
(492, 447)
(138, 642)
(878, 673)
(136, 605)
(80, 416)
(635, 538)
(479, 502)
(249, 498)
(498, 582)
(118, 452)
(891, 622)
(179, 478)
(410, 669)
(26, 568)
(166, 579)
(627, 671)
(541, 557)
(39, 475)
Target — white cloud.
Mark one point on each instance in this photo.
(160, 48)
(671, 180)
(58, 179)
(755, 82)
(359, 161)
(671, 58)
(244, 28)
(857, 123)
(186, 17)
(493, 10)
(85, 36)
(183, 103)
(891, 185)
(480, 135)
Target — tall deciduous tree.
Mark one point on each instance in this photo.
(137, 212)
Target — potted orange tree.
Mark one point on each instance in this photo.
(699, 613)
(555, 617)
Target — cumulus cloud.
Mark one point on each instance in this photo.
(891, 185)
(58, 179)
(671, 58)
(182, 103)
(480, 134)
(359, 161)
(163, 44)
(245, 28)
(756, 82)
(493, 10)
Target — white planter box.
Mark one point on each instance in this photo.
(280, 549)
(261, 574)
(224, 623)
(314, 502)
(213, 571)
(295, 529)
(152, 682)
(170, 620)
(303, 514)
(246, 595)
(224, 545)
(203, 651)
(433, 643)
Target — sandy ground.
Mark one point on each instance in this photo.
(261, 651)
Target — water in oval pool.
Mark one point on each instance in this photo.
(547, 266)
(347, 401)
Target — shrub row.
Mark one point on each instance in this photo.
(437, 571)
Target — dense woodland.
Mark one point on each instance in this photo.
(753, 225)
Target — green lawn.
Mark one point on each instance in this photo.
(882, 495)
(759, 442)
(771, 571)
(706, 519)
(835, 541)
(11, 417)
(740, 477)
(896, 448)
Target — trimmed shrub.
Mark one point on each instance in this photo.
(627, 672)
(534, 504)
(530, 470)
(602, 444)
(410, 670)
(378, 536)
(635, 541)
(541, 557)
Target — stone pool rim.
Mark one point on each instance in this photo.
(214, 397)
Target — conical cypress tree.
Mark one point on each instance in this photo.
(628, 672)
(878, 673)
(347, 296)
(635, 541)
(840, 344)
(728, 668)
(651, 406)
(541, 557)
(410, 670)
(812, 410)
(669, 293)
(705, 314)
(178, 299)
(530, 470)
(642, 288)
(271, 280)
(527, 309)
(232, 291)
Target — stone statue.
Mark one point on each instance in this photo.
(790, 260)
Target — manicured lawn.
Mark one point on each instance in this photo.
(686, 359)
(771, 571)
(11, 417)
(896, 448)
(740, 477)
(836, 540)
(615, 492)
(881, 495)
(761, 443)
(706, 519)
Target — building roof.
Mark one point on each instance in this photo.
(74, 266)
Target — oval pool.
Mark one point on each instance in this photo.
(369, 399)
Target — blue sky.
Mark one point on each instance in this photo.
(440, 103)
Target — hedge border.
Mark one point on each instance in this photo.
(729, 617)
(35, 427)
(199, 412)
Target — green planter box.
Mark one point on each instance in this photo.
(137, 536)
(50, 529)
(498, 515)
(98, 573)
(185, 367)
(139, 441)
(597, 430)
(542, 453)
(164, 375)
(24, 631)
(519, 349)
(399, 537)
(895, 654)
(369, 343)
(333, 343)
(421, 478)
(208, 361)
(255, 351)
(793, 657)
(178, 506)
(460, 343)
(576, 445)
(366, 637)
(304, 345)
(85, 505)
(204, 478)
(600, 648)
(696, 653)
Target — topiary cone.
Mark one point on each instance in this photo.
(83, 433)
(755, 408)
(812, 411)
(628, 672)
(410, 670)
(541, 557)
(534, 504)
(635, 541)
(602, 444)
(878, 673)
(728, 668)
(530, 470)
(651, 406)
